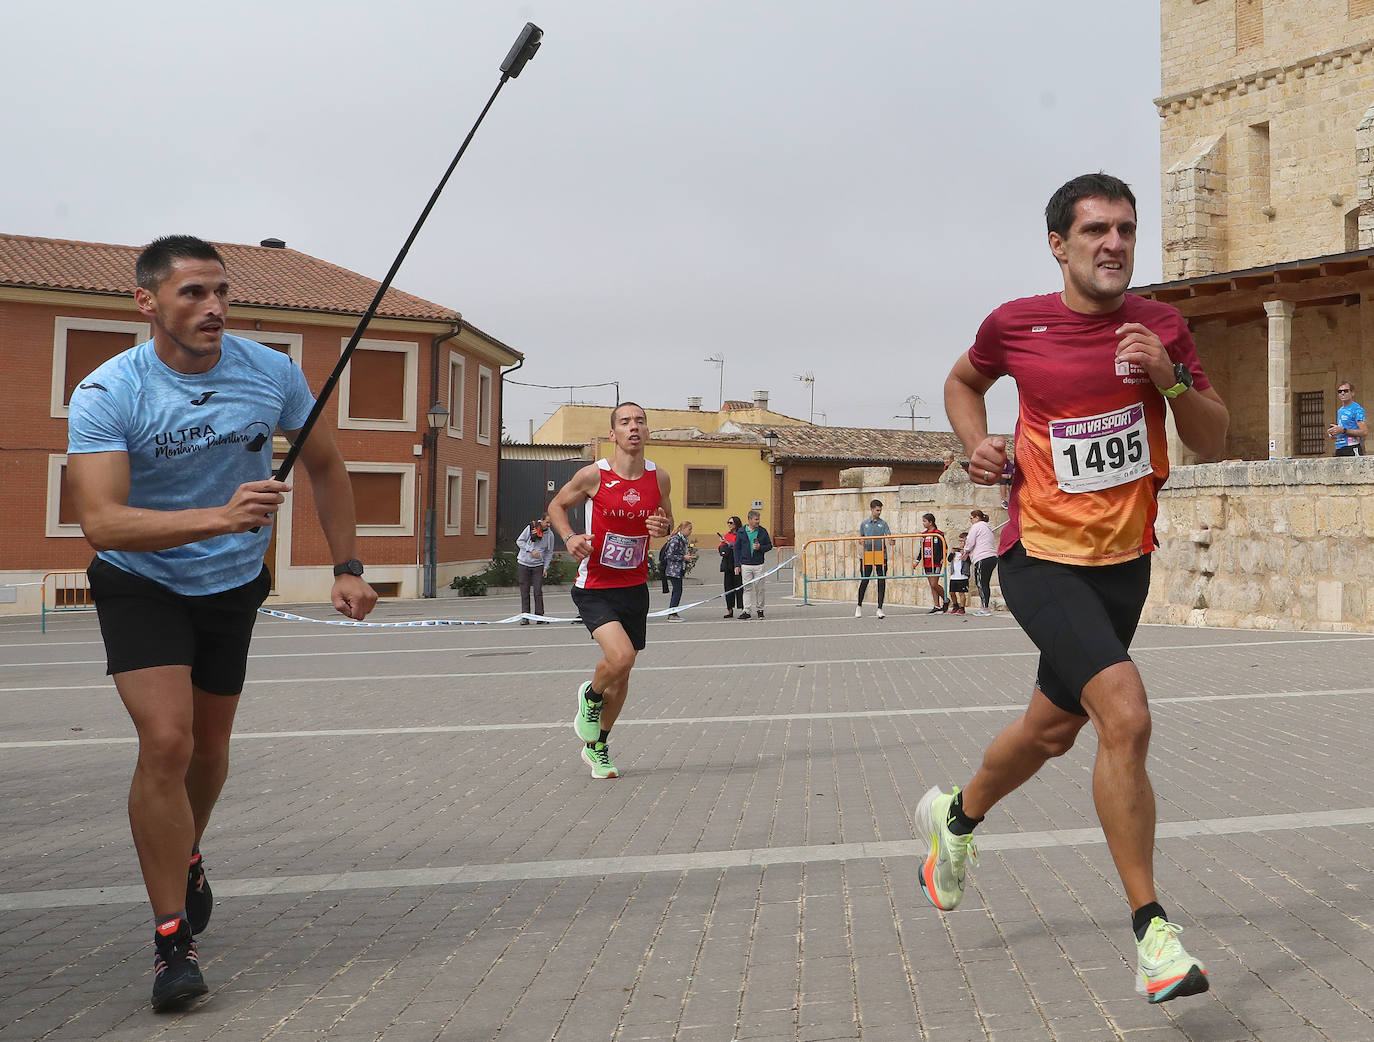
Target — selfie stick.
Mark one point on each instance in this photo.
(523, 50)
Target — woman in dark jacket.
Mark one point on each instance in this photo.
(734, 597)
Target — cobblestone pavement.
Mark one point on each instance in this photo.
(409, 847)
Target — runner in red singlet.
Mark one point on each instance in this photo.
(629, 500)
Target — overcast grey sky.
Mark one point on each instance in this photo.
(801, 186)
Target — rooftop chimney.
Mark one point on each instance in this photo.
(760, 399)
(694, 404)
(274, 244)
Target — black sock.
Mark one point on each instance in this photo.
(1142, 917)
(592, 696)
(959, 823)
(159, 920)
(605, 736)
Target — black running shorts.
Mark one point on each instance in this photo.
(1081, 618)
(145, 624)
(627, 605)
(958, 586)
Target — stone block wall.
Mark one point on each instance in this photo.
(1270, 544)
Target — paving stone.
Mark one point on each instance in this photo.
(728, 886)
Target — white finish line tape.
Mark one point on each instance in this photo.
(422, 623)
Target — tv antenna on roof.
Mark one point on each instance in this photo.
(911, 402)
(718, 360)
(809, 377)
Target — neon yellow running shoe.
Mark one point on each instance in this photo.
(945, 871)
(598, 758)
(1165, 971)
(587, 722)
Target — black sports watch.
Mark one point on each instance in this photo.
(352, 566)
(1183, 379)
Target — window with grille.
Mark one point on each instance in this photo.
(1311, 423)
(706, 488)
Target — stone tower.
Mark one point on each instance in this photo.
(1268, 127)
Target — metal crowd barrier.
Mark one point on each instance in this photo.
(843, 559)
(65, 591)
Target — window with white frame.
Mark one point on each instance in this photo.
(453, 501)
(457, 393)
(290, 344)
(383, 497)
(80, 345)
(483, 405)
(482, 483)
(378, 388)
(61, 513)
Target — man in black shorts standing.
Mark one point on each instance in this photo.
(629, 500)
(1095, 369)
(169, 484)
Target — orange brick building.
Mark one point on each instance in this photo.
(65, 307)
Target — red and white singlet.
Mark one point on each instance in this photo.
(616, 517)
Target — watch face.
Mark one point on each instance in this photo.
(1183, 375)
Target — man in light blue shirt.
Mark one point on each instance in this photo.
(1349, 429)
(169, 462)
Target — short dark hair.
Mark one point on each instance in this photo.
(157, 259)
(621, 406)
(1059, 213)
(875, 503)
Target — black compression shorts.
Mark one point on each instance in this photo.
(627, 605)
(145, 624)
(1081, 618)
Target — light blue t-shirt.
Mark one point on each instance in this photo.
(1350, 417)
(192, 440)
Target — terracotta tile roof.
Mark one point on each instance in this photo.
(860, 444)
(258, 275)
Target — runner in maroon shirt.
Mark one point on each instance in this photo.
(1096, 371)
(629, 501)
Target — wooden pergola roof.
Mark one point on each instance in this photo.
(1240, 296)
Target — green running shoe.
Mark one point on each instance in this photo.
(945, 870)
(1165, 971)
(587, 722)
(598, 758)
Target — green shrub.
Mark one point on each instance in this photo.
(469, 585)
(503, 570)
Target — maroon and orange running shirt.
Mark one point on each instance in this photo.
(1091, 450)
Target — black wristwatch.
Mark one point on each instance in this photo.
(1183, 379)
(353, 566)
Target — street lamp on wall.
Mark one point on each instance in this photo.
(437, 416)
(771, 441)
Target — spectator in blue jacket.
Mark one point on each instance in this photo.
(752, 542)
